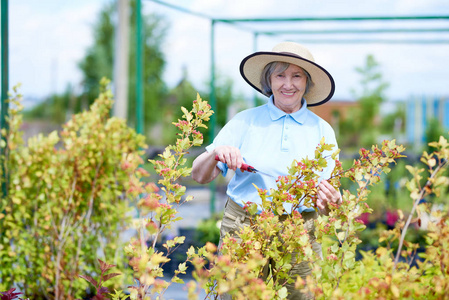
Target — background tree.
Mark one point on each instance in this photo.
(394, 122)
(99, 61)
(362, 127)
(180, 95)
(433, 132)
(154, 88)
(53, 107)
(227, 103)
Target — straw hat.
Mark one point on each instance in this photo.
(319, 93)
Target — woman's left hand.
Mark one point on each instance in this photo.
(327, 194)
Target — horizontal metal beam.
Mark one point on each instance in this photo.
(373, 41)
(326, 19)
(182, 9)
(235, 21)
(354, 31)
(297, 19)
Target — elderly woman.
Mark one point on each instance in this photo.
(271, 136)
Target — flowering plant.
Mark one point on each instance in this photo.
(275, 236)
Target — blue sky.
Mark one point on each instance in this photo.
(49, 38)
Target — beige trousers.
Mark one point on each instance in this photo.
(235, 217)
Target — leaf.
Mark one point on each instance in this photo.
(252, 209)
(180, 239)
(341, 236)
(283, 293)
(395, 291)
(102, 290)
(411, 169)
(110, 275)
(159, 258)
(187, 114)
(99, 297)
(89, 279)
(191, 251)
(334, 248)
(104, 267)
(337, 224)
(322, 141)
(182, 267)
(441, 181)
(176, 279)
(118, 295)
(9, 295)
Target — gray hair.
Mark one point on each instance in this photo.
(269, 69)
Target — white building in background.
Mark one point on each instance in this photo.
(419, 112)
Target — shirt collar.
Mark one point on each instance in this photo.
(299, 116)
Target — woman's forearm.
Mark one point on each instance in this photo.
(204, 168)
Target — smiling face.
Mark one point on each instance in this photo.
(288, 88)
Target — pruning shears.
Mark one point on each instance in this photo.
(248, 168)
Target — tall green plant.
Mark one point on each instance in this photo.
(159, 207)
(67, 200)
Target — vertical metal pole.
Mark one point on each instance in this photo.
(213, 105)
(121, 60)
(255, 39)
(5, 88)
(4, 102)
(139, 67)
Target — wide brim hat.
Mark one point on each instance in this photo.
(323, 86)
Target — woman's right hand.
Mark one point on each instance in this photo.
(204, 167)
(229, 155)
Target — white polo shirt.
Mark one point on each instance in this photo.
(269, 140)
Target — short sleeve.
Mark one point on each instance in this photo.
(230, 135)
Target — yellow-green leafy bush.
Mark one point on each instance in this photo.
(66, 201)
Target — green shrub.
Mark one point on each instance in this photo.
(208, 230)
(66, 201)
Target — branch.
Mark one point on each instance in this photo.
(415, 205)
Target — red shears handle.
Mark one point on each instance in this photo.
(244, 167)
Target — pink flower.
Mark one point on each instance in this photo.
(363, 218)
(391, 217)
(332, 257)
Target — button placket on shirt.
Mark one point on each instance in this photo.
(285, 133)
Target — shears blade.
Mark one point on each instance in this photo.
(248, 168)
